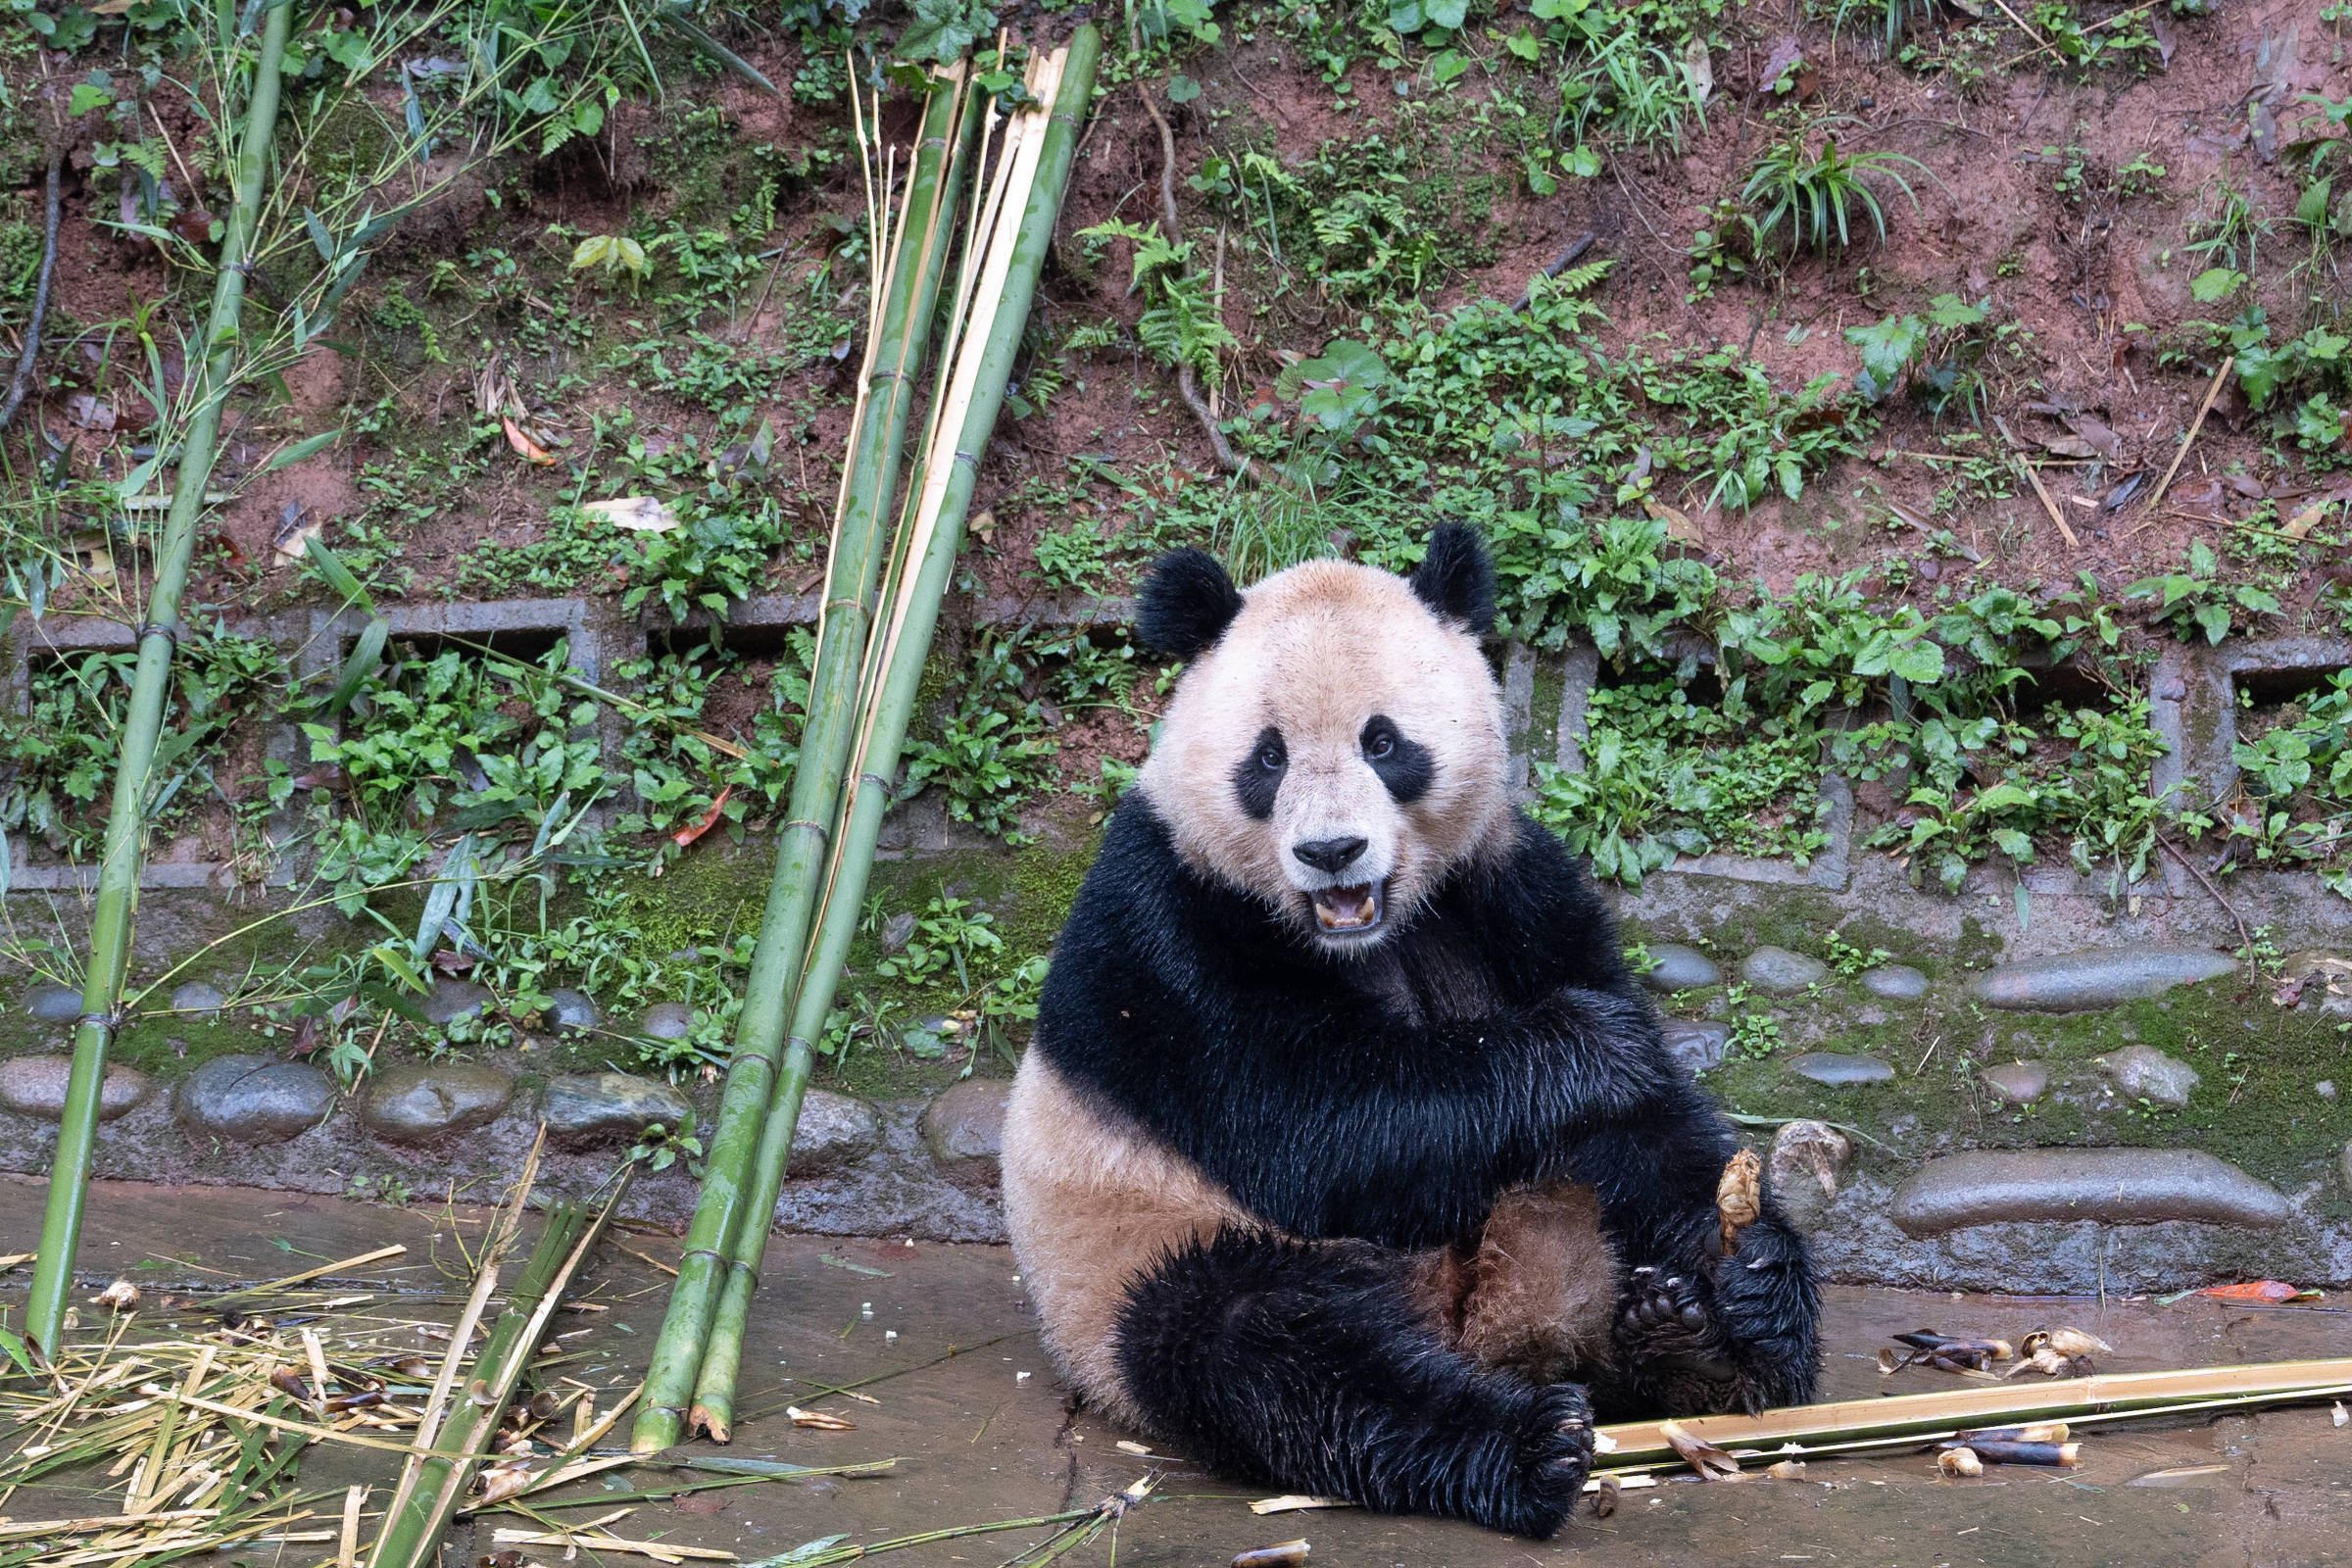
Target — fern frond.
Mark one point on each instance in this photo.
(1583, 278)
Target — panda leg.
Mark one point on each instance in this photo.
(1307, 1365)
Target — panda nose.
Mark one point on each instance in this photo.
(1332, 856)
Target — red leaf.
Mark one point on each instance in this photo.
(687, 835)
(521, 440)
(308, 1036)
(2255, 1290)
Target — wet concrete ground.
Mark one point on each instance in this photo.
(985, 1434)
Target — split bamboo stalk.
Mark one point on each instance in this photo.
(1641, 1443)
(1039, 154)
(990, 231)
(126, 845)
(431, 1488)
(909, 289)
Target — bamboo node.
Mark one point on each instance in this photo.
(967, 459)
(158, 628)
(875, 779)
(818, 828)
(111, 1023)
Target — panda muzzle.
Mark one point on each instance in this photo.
(1348, 910)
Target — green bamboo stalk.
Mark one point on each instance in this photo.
(908, 652)
(410, 1536)
(877, 445)
(126, 845)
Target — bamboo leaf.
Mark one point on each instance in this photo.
(365, 654)
(307, 447)
(339, 578)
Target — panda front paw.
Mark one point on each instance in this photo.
(1554, 1454)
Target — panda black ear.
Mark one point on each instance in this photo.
(1455, 580)
(1187, 603)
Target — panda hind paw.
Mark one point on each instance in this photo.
(1665, 1324)
(1555, 1457)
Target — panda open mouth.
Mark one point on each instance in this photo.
(1349, 912)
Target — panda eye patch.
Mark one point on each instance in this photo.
(1404, 765)
(1257, 778)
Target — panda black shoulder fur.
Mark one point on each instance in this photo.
(1348, 1157)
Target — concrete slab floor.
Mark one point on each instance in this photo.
(976, 1440)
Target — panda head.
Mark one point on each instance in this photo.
(1336, 744)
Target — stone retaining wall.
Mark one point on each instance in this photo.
(2028, 1101)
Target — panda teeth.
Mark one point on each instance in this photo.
(1350, 909)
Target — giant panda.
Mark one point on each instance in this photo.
(1348, 1157)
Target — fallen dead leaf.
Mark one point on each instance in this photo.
(522, 441)
(637, 514)
(297, 527)
(818, 1420)
(1678, 523)
(90, 413)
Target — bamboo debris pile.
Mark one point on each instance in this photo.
(1015, 160)
(198, 1411)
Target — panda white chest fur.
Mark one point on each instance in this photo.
(1346, 1140)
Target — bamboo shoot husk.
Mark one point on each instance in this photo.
(1917, 1416)
(142, 726)
(910, 287)
(1026, 201)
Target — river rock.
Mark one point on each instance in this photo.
(1807, 1163)
(1896, 982)
(2096, 977)
(451, 1000)
(1695, 1044)
(586, 1109)
(666, 1020)
(1676, 967)
(965, 1129)
(571, 1012)
(898, 931)
(201, 1001)
(52, 1003)
(834, 1130)
(1778, 972)
(2115, 1186)
(1833, 1067)
(2141, 1072)
(253, 1100)
(417, 1102)
(35, 1086)
(2017, 1083)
